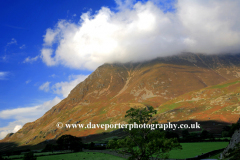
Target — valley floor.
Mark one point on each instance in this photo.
(189, 150)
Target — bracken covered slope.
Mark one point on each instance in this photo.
(106, 95)
(216, 103)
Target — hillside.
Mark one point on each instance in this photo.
(216, 104)
(219, 102)
(180, 87)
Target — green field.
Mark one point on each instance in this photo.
(193, 149)
(189, 150)
(81, 155)
(38, 154)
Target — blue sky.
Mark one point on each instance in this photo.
(23, 24)
(48, 47)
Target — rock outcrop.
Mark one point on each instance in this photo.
(233, 142)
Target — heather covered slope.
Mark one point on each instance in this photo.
(219, 102)
(106, 95)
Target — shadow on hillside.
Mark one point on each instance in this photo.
(215, 127)
(14, 147)
(7, 146)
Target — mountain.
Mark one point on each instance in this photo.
(180, 87)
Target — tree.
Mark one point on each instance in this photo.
(1, 158)
(171, 134)
(225, 134)
(8, 153)
(29, 156)
(91, 145)
(226, 128)
(185, 134)
(193, 137)
(70, 142)
(142, 143)
(49, 148)
(204, 134)
(76, 144)
(234, 127)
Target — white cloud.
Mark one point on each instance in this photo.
(50, 36)
(30, 60)
(4, 58)
(23, 46)
(126, 4)
(53, 75)
(46, 56)
(24, 115)
(13, 41)
(4, 133)
(3, 75)
(45, 86)
(28, 81)
(64, 88)
(16, 128)
(213, 26)
(12, 127)
(142, 31)
(19, 112)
